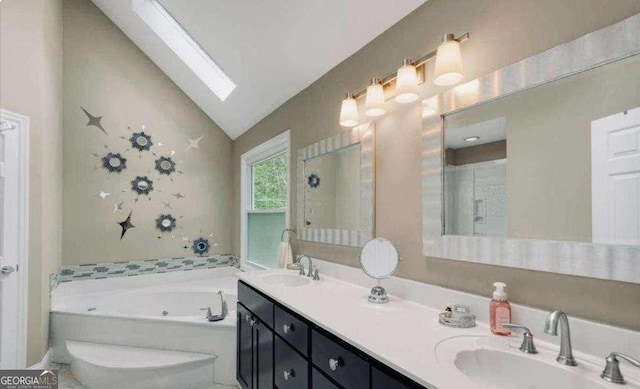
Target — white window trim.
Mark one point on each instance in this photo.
(272, 147)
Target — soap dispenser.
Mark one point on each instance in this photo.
(500, 310)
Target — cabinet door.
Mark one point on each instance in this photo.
(263, 349)
(244, 354)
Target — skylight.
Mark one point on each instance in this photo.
(173, 35)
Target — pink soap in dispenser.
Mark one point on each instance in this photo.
(500, 310)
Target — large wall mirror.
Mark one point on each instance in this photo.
(336, 188)
(542, 171)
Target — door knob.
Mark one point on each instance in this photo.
(8, 269)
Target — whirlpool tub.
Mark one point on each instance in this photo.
(156, 311)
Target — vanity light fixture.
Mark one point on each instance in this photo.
(374, 103)
(472, 139)
(448, 69)
(349, 112)
(407, 83)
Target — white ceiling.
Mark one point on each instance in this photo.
(271, 49)
(492, 130)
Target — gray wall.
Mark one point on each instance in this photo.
(108, 75)
(31, 84)
(502, 32)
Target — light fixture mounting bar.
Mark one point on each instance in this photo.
(420, 65)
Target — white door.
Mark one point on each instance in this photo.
(13, 226)
(615, 178)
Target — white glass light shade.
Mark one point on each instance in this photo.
(349, 112)
(407, 84)
(374, 102)
(448, 69)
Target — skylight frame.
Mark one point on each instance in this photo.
(160, 21)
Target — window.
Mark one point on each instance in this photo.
(265, 202)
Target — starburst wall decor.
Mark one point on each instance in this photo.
(115, 156)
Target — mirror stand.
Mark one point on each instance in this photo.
(379, 259)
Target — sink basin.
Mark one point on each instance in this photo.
(492, 362)
(290, 280)
(497, 369)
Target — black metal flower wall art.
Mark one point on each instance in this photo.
(114, 163)
(165, 223)
(200, 246)
(141, 141)
(165, 165)
(142, 185)
(313, 180)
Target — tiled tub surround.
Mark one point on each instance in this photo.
(94, 271)
(405, 334)
(128, 311)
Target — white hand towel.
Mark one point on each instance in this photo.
(286, 254)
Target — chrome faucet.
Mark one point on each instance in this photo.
(551, 327)
(224, 309)
(527, 345)
(310, 269)
(611, 372)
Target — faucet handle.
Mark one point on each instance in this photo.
(208, 309)
(316, 274)
(611, 372)
(527, 345)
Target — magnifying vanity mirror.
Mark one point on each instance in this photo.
(379, 259)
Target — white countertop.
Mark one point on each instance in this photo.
(401, 334)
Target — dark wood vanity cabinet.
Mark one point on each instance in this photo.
(279, 349)
(254, 351)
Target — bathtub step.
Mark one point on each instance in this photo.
(107, 366)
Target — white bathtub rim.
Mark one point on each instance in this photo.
(105, 300)
(230, 321)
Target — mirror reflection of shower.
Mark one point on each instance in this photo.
(475, 179)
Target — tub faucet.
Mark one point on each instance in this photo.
(565, 356)
(224, 309)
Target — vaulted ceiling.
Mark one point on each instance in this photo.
(271, 49)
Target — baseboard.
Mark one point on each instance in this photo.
(44, 363)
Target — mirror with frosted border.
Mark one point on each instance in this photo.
(537, 165)
(336, 188)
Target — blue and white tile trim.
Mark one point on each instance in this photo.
(95, 271)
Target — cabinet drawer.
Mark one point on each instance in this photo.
(319, 381)
(291, 369)
(292, 329)
(256, 303)
(345, 367)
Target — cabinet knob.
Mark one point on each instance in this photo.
(288, 327)
(252, 322)
(334, 364)
(247, 317)
(286, 374)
